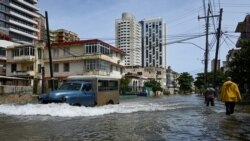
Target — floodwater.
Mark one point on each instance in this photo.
(171, 118)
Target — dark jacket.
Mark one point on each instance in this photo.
(209, 93)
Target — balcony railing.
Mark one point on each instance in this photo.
(24, 58)
(24, 73)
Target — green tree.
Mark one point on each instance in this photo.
(124, 82)
(185, 80)
(156, 86)
(240, 66)
(199, 80)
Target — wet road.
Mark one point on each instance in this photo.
(139, 119)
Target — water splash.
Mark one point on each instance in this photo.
(65, 110)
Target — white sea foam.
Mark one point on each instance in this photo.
(65, 110)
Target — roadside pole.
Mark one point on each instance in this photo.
(49, 49)
(217, 48)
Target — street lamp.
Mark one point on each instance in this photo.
(192, 44)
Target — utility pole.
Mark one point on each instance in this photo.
(43, 90)
(206, 49)
(217, 48)
(49, 49)
(207, 45)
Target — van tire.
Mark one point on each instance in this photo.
(63, 99)
(76, 104)
(110, 102)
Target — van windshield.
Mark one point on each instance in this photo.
(71, 86)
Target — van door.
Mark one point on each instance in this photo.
(88, 95)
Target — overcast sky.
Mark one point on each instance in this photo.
(96, 19)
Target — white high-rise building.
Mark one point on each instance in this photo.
(153, 42)
(18, 19)
(128, 39)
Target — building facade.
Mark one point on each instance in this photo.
(230, 56)
(84, 57)
(172, 81)
(212, 65)
(244, 29)
(63, 35)
(128, 39)
(147, 73)
(24, 61)
(153, 42)
(3, 47)
(18, 20)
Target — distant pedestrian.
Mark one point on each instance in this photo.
(209, 95)
(230, 94)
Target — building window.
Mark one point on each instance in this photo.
(2, 51)
(66, 67)
(121, 70)
(160, 60)
(56, 67)
(24, 51)
(13, 67)
(39, 51)
(91, 65)
(30, 68)
(39, 67)
(66, 51)
(55, 52)
(97, 65)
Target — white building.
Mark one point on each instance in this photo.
(3, 46)
(84, 57)
(24, 61)
(153, 43)
(128, 39)
(18, 18)
(149, 73)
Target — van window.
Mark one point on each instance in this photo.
(86, 87)
(70, 86)
(105, 85)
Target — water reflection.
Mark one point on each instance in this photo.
(145, 119)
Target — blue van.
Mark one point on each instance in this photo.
(85, 90)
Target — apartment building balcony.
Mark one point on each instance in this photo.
(2, 70)
(23, 73)
(24, 58)
(2, 57)
(13, 13)
(23, 25)
(14, 6)
(96, 72)
(28, 4)
(23, 33)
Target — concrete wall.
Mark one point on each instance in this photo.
(8, 89)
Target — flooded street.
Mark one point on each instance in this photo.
(143, 118)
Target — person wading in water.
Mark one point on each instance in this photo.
(230, 94)
(209, 95)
